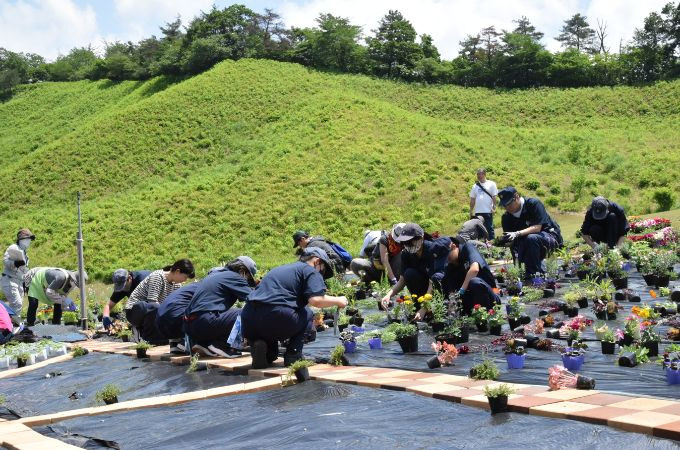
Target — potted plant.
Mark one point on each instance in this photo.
(77, 351)
(109, 394)
(496, 320)
(631, 331)
(343, 321)
(608, 342)
(438, 310)
(513, 279)
(516, 316)
(375, 340)
(22, 358)
(649, 339)
(124, 335)
(456, 333)
(141, 347)
(486, 370)
(444, 355)
(572, 359)
(480, 316)
(70, 318)
(407, 336)
(349, 341)
(498, 397)
(300, 369)
(515, 356)
(614, 263)
(673, 372)
(337, 357)
(632, 355)
(571, 299)
(662, 266)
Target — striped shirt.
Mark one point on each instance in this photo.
(154, 289)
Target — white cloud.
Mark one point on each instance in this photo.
(47, 27)
(449, 21)
(140, 19)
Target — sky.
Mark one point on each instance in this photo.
(53, 27)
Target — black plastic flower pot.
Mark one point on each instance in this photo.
(495, 330)
(571, 312)
(111, 401)
(448, 338)
(675, 295)
(302, 374)
(634, 298)
(650, 280)
(620, 283)
(628, 359)
(608, 348)
(482, 327)
(585, 383)
(652, 347)
(619, 296)
(464, 336)
(547, 293)
(583, 302)
(409, 344)
(141, 353)
(582, 274)
(345, 325)
(662, 281)
(513, 322)
(437, 327)
(601, 315)
(125, 338)
(524, 320)
(498, 404)
(433, 362)
(532, 340)
(552, 333)
(351, 311)
(356, 320)
(360, 294)
(514, 290)
(21, 362)
(626, 340)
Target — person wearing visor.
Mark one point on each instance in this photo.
(124, 283)
(468, 274)
(15, 267)
(423, 263)
(530, 230)
(605, 222)
(384, 259)
(51, 286)
(209, 317)
(278, 309)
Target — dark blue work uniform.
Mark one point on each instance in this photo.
(532, 249)
(170, 316)
(609, 229)
(209, 316)
(430, 265)
(480, 288)
(277, 309)
(137, 277)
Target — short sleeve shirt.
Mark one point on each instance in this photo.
(218, 292)
(290, 285)
(483, 203)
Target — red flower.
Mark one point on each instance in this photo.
(463, 349)
(492, 312)
(477, 306)
(400, 300)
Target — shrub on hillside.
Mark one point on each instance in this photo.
(664, 198)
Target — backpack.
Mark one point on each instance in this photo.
(344, 255)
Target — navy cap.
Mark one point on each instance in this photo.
(506, 195)
(323, 256)
(410, 231)
(299, 235)
(599, 207)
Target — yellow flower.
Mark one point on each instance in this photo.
(408, 302)
(428, 297)
(414, 296)
(421, 299)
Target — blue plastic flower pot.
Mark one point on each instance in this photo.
(350, 347)
(357, 330)
(515, 361)
(375, 343)
(572, 363)
(672, 376)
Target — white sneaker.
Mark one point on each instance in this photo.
(197, 348)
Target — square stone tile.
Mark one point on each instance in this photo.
(400, 385)
(411, 375)
(643, 404)
(470, 383)
(496, 384)
(443, 378)
(560, 410)
(642, 421)
(600, 414)
(668, 431)
(603, 399)
(532, 390)
(522, 403)
(376, 382)
(566, 394)
(454, 395)
(429, 389)
(670, 409)
(478, 401)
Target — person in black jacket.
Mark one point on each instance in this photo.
(303, 240)
(604, 222)
(532, 232)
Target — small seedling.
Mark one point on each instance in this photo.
(337, 355)
(107, 394)
(78, 351)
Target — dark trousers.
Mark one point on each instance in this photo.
(488, 224)
(273, 323)
(142, 316)
(33, 309)
(605, 230)
(170, 327)
(417, 281)
(532, 249)
(479, 292)
(211, 326)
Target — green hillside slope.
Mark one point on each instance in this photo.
(234, 160)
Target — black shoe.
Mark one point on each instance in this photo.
(258, 351)
(202, 350)
(224, 350)
(290, 358)
(177, 348)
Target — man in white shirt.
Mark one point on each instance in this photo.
(483, 198)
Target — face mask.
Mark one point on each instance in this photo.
(24, 243)
(413, 246)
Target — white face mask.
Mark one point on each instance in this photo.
(24, 243)
(413, 246)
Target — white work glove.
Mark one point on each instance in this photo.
(512, 235)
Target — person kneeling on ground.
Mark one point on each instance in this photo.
(469, 275)
(15, 261)
(423, 263)
(278, 308)
(142, 306)
(605, 222)
(531, 230)
(208, 318)
(303, 240)
(51, 286)
(474, 231)
(170, 316)
(124, 283)
(384, 258)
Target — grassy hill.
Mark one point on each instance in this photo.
(234, 160)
